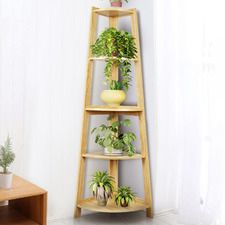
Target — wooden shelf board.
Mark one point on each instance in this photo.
(113, 12)
(100, 155)
(10, 216)
(105, 108)
(91, 204)
(105, 58)
(20, 189)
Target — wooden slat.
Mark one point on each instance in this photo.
(91, 204)
(100, 155)
(87, 101)
(105, 58)
(107, 109)
(142, 119)
(113, 12)
(113, 165)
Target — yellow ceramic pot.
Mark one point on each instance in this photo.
(113, 97)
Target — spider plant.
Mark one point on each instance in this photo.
(124, 196)
(101, 185)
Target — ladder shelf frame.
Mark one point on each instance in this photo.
(139, 110)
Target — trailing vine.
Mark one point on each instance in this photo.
(119, 48)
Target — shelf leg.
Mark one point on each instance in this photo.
(113, 171)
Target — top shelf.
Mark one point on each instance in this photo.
(113, 12)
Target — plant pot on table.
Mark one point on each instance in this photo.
(6, 180)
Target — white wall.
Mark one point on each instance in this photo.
(43, 48)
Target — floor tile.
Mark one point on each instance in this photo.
(169, 218)
(112, 219)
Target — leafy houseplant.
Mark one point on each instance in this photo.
(101, 185)
(124, 196)
(119, 48)
(6, 159)
(117, 3)
(112, 140)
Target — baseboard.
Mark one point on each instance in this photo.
(165, 212)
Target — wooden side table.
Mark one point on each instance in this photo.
(27, 204)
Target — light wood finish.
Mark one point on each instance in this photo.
(105, 58)
(125, 110)
(113, 14)
(100, 155)
(10, 216)
(87, 101)
(91, 204)
(113, 165)
(142, 119)
(20, 189)
(27, 204)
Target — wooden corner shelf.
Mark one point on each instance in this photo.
(105, 58)
(100, 155)
(113, 12)
(137, 110)
(111, 207)
(96, 109)
(27, 204)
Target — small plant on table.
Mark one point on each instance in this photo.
(6, 159)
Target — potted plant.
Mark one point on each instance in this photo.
(119, 48)
(6, 158)
(117, 3)
(112, 140)
(124, 196)
(101, 185)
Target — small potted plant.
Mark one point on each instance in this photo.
(6, 159)
(112, 140)
(117, 3)
(124, 196)
(119, 48)
(101, 185)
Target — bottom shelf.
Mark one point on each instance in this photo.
(91, 204)
(10, 216)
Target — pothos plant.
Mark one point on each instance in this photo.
(119, 48)
(101, 185)
(110, 136)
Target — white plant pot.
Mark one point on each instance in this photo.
(113, 97)
(112, 152)
(6, 180)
